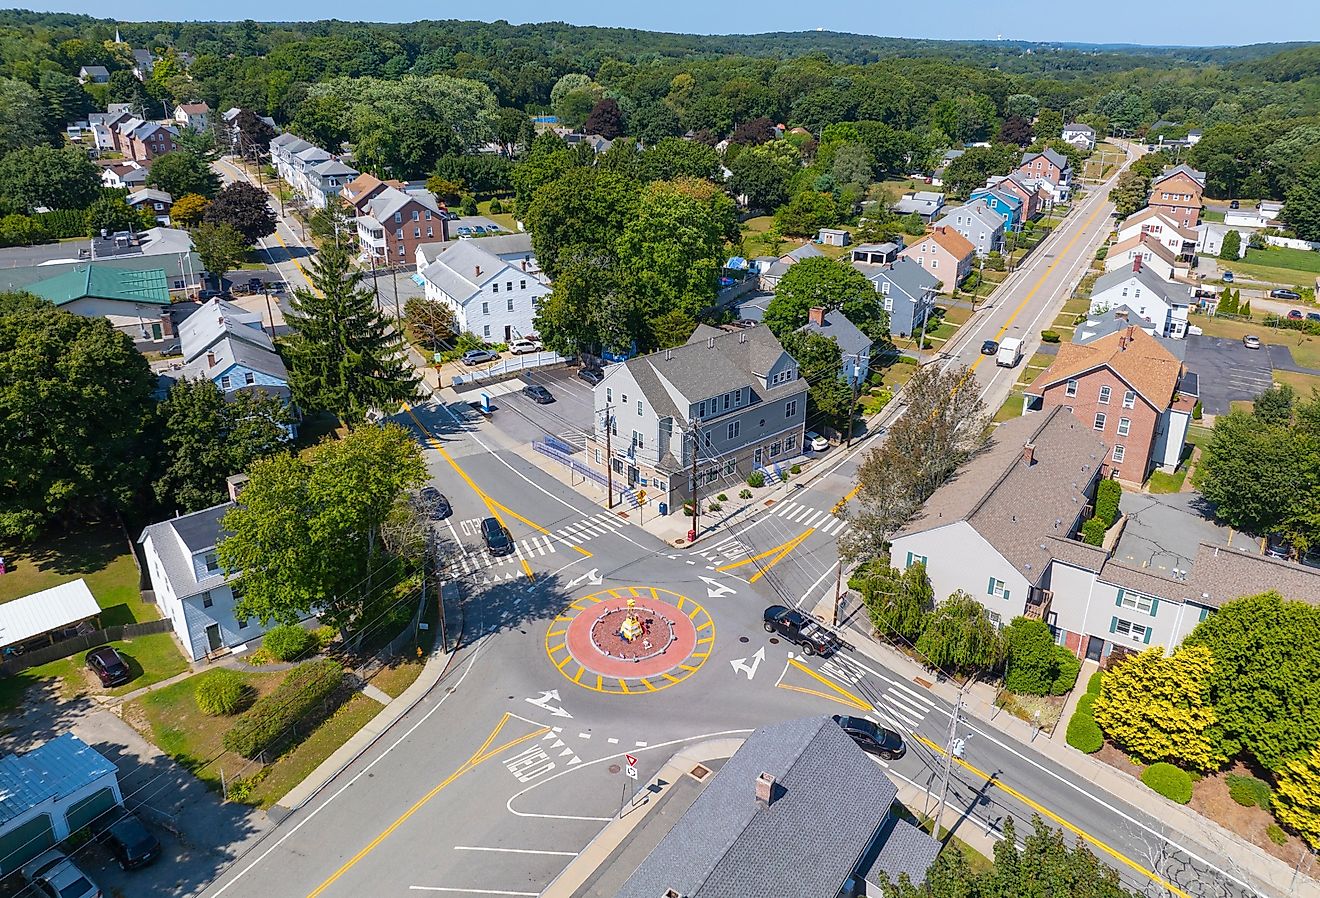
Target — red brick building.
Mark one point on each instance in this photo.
(1177, 193)
(1126, 388)
(393, 223)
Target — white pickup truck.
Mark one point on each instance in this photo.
(1010, 353)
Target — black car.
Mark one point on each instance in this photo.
(1281, 293)
(497, 538)
(800, 630)
(592, 376)
(435, 504)
(872, 738)
(538, 394)
(989, 347)
(1234, 205)
(109, 666)
(128, 839)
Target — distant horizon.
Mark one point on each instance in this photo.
(1214, 24)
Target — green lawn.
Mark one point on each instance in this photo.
(1302, 383)
(396, 677)
(956, 314)
(1160, 482)
(1012, 408)
(1199, 435)
(503, 219)
(99, 554)
(151, 658)
(1287, 277)
(1285, 257)
(1212, 215)
(296, 765)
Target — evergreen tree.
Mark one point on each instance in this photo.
(343, 358)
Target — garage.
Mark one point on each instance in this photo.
(85, 810)
(21, 843)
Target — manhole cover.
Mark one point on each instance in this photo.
(774, 640)
(615, 768)
(743, 639)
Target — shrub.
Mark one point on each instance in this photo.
(1066, 669)
(1093, 684)
(325, 635)
(1083, 733)
(1031, 660)
(1197, 411)
(1171, 782)
(496, 207)
(722, 497)
(744, 494)
(907, 360)
(689, 508)
(306, 693)
(756, 479)
(796, 469)
(288, 641)
(1101, 253)
(1093, 532)
(221, 692)
(1248, 791)
(714, 506)
(1107, 496)
(1276, 834)
(1049, 336)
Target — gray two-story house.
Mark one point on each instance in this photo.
(735, 398)
(978, 223)
(906, 291)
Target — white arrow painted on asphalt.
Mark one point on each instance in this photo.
(544, 701)
(592, 576)
(741, 665)
(716, 590)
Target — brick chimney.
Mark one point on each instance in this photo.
(765, 790)
(1029, 454)
(816, 316)
(1136, 264)
(210, 360)
(478, 271)
(167, 323)
(235, 484)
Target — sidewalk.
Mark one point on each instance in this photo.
(1223, 848)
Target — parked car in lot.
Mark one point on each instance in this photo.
(1313, 316)
(54, 875)
(127, 838)
(435, 504)
(109, 666)
(817, 442)
(1277, 546)
(592, 376)
(872, 738)
(800, 630)
(479, 356)
(989, 347)
(518, 347)
(746, 322)
(1251, 341)
(497, 539)
(1281, 293)
(538, 394)
(1228, 277)
(1294, 315)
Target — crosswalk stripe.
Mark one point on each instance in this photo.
(895, 699)
(911, 693)
(785, 508)
(898, 720)
(810, 519)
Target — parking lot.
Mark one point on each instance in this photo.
(568, 418)
(1227, 371)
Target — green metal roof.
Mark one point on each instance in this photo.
(102, 282)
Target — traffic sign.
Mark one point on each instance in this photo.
(632, 772)
(632, 762)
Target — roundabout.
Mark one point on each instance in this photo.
(634, 639)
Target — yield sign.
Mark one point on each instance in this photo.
(632, 762)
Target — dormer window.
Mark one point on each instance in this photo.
(212, 562)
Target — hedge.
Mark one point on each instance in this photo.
(1171, 782)
(1093, 684)
(1305, 325)
(287, 642)
(1248, 791)
(1050, 336)
(305, 693)
(1107, 496)
(1083, 732)
(221, 692)
(62, 224)
(1066, 669)
(1093, 532)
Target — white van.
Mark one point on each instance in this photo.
(1010, 353)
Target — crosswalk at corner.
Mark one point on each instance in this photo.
(475, 558)
(589, 528)
(804, 515)
(898, 706)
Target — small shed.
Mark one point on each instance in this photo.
(47, 614)
(834, 237)
(49, 793)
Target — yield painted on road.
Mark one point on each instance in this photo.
(557, 649)
(774, 556)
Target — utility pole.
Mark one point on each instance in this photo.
(696, 500)
(948, 767)
(838, 594)
(856, 388)
(609, 461)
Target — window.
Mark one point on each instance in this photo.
(398, 217)
(884, 288)
(508, 285)
(997, 588)
(401, 250)
(934, 263)
(212, 562)
(915, 559)
(1120, 452)
(614, 425)
(429, 230)
(1137, 602)
(661, 486)
(701, 409)
(1104, 395)
(1071, 388)
(707, 439)
(428, 218)
(485, 308)
(732, 430)
(790, 443)
(597, 456)
(730, 467)
(738, 399)
(1135, 632)
(522, 285)
(639, 407)
(637, 439)
(889, 303)
(485, 330)
(417, 232)
(207, 602)
(224, 382)
(995, 619)
(249, 378)
(728, 401)
(1124, 426)
(495, 287)
(790, 408)
(609, 394)
(1129, 399)
(776, 448)
(1099, 421)
(416, 216)
(398, 233)
(509, 304)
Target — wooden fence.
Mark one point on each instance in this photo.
(66, 647)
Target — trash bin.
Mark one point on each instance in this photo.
(664, 508)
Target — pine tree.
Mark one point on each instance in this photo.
(343, 357)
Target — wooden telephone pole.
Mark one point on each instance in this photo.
(609, 461)
(696, 500)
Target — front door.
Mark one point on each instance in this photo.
(632, 475)
(1095, 647)
(757, 460)
(213, 637)
(508, 333)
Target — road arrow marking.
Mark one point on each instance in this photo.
(543, 703)
(741, 665)
(592, 577)
(717, 590)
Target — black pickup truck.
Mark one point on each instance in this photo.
(802, 631)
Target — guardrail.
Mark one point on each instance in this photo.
(551, 451)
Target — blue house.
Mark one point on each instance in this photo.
(907, 292)
(1004, 204)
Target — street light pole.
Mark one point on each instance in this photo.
(948, 767)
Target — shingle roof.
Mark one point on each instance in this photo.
(218, 318)
(1132, 354)
(500, 245)
(1171, 293)
(149, 195)
(228, 351)
(1015, 506)
(958, 245)
(1165, 220)
(96, 70)
(1183, 169)
(1078, 126)
(103, 282)
(333, 167)
(312, 154)
(1221, 574)
(55, 769)
(728, 846)
(462, 268)
(1153, 243)
(390, 200)
(903, 273)
(982, 213)
(46, 610)
(852, 342)
(177, 539)
(194, 108)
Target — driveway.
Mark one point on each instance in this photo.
(1281, 357)
(1227, 371)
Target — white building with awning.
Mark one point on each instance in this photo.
(52, 610)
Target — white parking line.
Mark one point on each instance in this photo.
(470, 891)
(515, 850)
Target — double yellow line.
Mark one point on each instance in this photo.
(482, 754)
(779, 552)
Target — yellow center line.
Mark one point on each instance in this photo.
(841, 695)
(534, 525)
(1003, 330)
(1072, 828)
(481, 755)
(766, 554)
(765, 569)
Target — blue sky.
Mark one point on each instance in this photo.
(1205, 22)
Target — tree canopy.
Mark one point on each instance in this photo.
(820, 282)
(244, 207)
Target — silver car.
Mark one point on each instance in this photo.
(53, 874)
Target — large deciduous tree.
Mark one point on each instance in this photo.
(580, 215)
(970, 170)
(1301, 204)
(606, 119)
(182, 172)
(828, 284)
(111, 214)
(42, 176)
(209, 436)
(897, 601)
(762, 173)
(959, 636)
(23, 117)
(219, 246)
(188, 210)
(75, 396)
(343, 358)
(821, 363)
(1253, 471)
(1158, 708)
(673, 158)
(306, 535)
(548, 159)
(246, 208)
